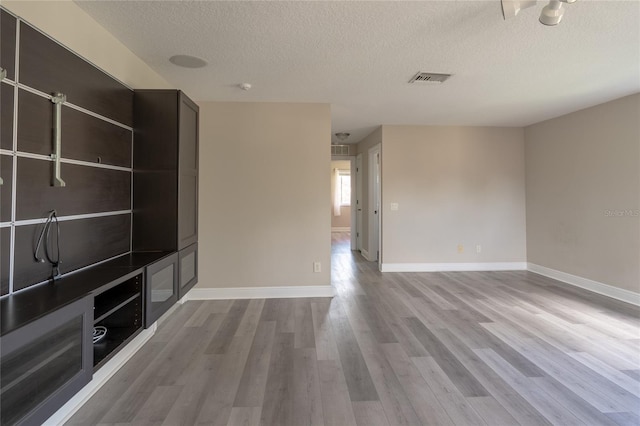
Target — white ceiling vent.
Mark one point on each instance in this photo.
(339, 149)
(429, 78)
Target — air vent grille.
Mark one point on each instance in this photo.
(339, 149)
(429, 77)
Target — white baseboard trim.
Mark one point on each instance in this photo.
(587, 284)
(453, 267)
(260, 292)
(100, 378)
(340, 229)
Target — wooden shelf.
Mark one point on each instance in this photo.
(116, 306)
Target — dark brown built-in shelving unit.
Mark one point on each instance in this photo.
(128, 210)
(165, 203)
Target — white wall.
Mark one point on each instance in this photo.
(454, 186)
(583, 193)
(264, 191)
(74, 28)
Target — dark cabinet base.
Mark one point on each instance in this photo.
(45, 363)
(188, 269)
(161, 288)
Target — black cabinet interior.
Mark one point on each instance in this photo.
(119, 310)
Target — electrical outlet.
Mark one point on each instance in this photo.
(478, 248)
(460, 249)
(317, 267)
(394, 206)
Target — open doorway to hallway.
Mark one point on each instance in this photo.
(343, 213)
(343, 197)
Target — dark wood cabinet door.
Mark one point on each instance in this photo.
(188, 173)
(165, 205)
(161, 288)
(188, 269)
(187, 210)
(44, 363)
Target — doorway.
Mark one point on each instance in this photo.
(374, 204)
(343, 198)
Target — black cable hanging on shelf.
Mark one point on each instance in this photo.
(44, 240)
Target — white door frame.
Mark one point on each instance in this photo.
(359, 202)
(375, 213)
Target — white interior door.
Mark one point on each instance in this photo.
(359, 202)
(374, 203)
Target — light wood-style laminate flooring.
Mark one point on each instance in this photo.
(464, 348)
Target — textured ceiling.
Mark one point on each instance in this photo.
(358, 56)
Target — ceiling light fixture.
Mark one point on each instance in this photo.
(551, 14)
(187, 61)
(342, 136)
(245, 86)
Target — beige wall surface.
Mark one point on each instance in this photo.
(364, 145)
(68, 24)
(264, 191)
(583, 193)
(454, 186)
(344, 220)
